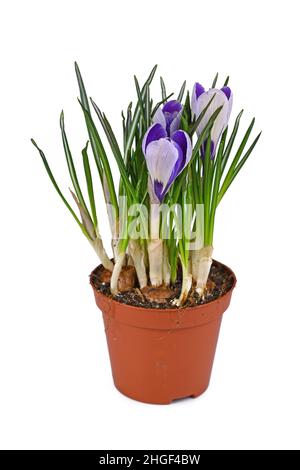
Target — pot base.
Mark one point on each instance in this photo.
(161, 401)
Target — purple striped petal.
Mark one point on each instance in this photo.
(220, 99)
(155, 132)
(159, 118)
(184, 146)
(159, 190)
(169, 116)
(199, 89)
(227, 91)
(175, 124)
(228, 94)
(172, 106)
(172, 113)
(183, 140)
(161, 157)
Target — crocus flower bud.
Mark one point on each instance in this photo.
(165, 156)
(169, 116)
(200, 99)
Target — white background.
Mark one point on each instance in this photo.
(56, 389)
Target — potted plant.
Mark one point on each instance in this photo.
(161, 293)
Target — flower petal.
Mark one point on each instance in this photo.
(184, 146)
(183, 140)
(159, 118)
(161, 157)
(227, 91)
(172, 106)
(154, 133)
(175, 124)
(198, 90)
(221, 121)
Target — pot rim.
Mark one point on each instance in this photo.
(170, 310)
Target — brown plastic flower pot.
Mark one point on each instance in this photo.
(160, 355)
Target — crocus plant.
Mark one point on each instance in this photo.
(176, 163)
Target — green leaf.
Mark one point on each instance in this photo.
(226, 81)
(85, 217)
(101, 157)
(216, 186)
(231, 142)
(70, 163)
(181, 92)
(238, 168)
(205, 132)
(187, 113)
(83, 96)
(140, 99)
(207, 181)
(148, 108)
(238, 154)
(85, 103)
(50, 174)
(215, 81)
(115, 149)
(163, 89)
(136, 116)
(89, 184)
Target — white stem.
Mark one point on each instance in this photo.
(155, 248)
(114, 245)
(116, 273)
(155, 253)
(195, 257)
(130, 261)
(185, 287)
(137, 255)
(145, 255)
(203, 266)
(166, 266)
(100, 250)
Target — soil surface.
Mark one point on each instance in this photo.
(220, 281)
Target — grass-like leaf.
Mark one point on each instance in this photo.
(202, 137)
(215, 81)
(207, 181)
(163, 89)
(136, 116)
(181, 92)
(101, 157)
(215, 190)
(226, 81)
(236, 170)
(50, 174)
(115, 149)
(85, 102)
(85, 217)
(89, 184)
(231, 141)
(235, 161)
(70, 163)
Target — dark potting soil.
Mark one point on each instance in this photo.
(220, 281)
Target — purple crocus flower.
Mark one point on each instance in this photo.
(165, 156)
(169, 116)
(200, 99)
